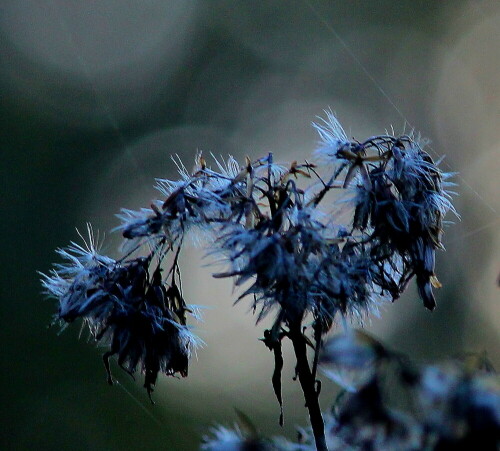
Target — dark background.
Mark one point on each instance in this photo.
(96, 96)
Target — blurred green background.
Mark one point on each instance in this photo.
(96, 96)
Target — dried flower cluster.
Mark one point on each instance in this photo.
(452, 405)
(280, 232)
(125, 304)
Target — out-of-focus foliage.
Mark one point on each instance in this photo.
(399, 405)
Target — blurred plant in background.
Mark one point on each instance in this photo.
(448, 406)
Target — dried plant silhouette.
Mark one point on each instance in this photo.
(316, 243)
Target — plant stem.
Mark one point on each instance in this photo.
(308, 384)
